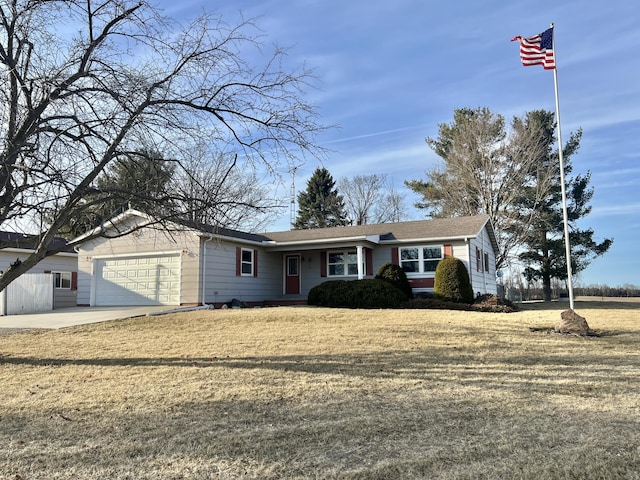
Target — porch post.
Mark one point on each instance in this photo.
(360, 262)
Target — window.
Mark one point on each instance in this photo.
(342, 264)
(478, 260)
(486, 262)
(410, 259)
(62, 280)
(246, 262)
(292, 266)
(422, 259)
(430, 257)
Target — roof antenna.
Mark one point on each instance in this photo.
(292, 205)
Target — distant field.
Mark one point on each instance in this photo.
(309, 393)
(608, 299)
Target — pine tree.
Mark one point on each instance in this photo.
(139, 180)
(544, 254)
(320, 206)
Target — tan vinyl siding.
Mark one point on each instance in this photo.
(148, 241)
(223, 284)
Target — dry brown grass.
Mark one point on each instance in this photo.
(299, 393)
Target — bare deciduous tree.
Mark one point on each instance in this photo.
(483, 171)
(371, 199)
(85, 82)
(219, 191)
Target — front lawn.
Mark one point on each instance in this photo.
(299, 393)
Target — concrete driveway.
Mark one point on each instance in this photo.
(69, 317)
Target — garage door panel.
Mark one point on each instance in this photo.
(145, 280)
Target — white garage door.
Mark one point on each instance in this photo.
(148, 280)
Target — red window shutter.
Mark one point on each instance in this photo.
(74, 280)
(394, 256)
(448, 251)
(368, 255)
(255, 263)
(238, 259)
(323, 264)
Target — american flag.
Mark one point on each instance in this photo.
(537, 50)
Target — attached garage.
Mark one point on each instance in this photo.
(137, 280)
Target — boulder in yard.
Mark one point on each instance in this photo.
(571, 322)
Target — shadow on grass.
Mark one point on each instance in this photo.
(332, 438)
(505, 370)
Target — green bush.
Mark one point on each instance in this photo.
(368, 293)
(327, 292)
(452, 282)
(394, 275)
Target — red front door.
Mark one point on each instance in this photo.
(292, 275)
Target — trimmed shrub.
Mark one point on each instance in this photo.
(368, 293)
(394, 275)
(452, 282)
(327, 292)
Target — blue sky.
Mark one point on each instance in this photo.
(390, 72)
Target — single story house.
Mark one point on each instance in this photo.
(196, 264)
(63, 266)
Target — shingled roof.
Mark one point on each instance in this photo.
(433, 230)
(30, 242)
(423, 230)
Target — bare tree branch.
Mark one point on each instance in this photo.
(86, 82)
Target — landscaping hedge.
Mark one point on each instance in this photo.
(452, 282)
(368, 293)
(395, 275)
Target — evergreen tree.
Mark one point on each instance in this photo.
(482, 170)
(544, 254)
(320, 205)
(139, 180)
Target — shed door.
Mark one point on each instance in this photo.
(145, 280)
(292, 275)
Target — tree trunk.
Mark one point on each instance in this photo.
(546, 286)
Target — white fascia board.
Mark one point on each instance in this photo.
(226, 238)
(464, 238)
(324, 241)
(113, 222)
(30, 251)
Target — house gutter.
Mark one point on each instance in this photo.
(30, 250)
(295, 243)
(211, 237)
(465, 238)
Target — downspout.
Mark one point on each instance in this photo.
(92, 274)
(470, 272)
(203, 271)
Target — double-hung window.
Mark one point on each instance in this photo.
(422, 259)
(342, 263)
(247, 262)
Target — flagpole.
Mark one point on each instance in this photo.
(567, 244)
